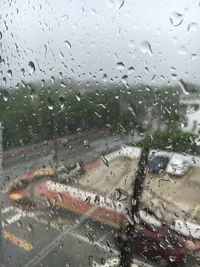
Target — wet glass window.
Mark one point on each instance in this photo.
(99, 133)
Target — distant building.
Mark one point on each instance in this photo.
(191, 104)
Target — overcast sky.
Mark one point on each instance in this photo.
(149, 41)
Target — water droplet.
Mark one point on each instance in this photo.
(145, 47)
(192, 27)
(86, 143)
(117, 3)
(9, 73)
(176, 19)
(62, 84)
(61, 245)
(122, 3)
(43, 82)
(5, 95)
(52, 79)
(90, 237)
(183, 87)
(131, 70)
(23, 71)
(172, 258)
(87, 200)
(19, 223)
(31, 66)
(30, 228)
(45, 50)
(60, 75)
(120, 65)
(146, 70)
(193, 56)
(103, 261)
(78, 97)
(97, 114)
(4, 80)
(62, 103)
(97, 200)
(33, 94)
(124, 81)
(50, 104)
(105, 77)
(67, 44)
(182, 50)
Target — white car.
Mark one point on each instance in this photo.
(177, 166)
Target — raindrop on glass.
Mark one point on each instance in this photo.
(192, 27)
(120, 65)
(176, 19)
(50, 104)
(105, 77)
(131, 70)
(145, 47)
(31, 66)
(23, 71)
(124, 81)
(30, 228)
(183, 87)
(33, 94)
(5, 95)
(86, 143)
(67, 44)
(62, 103)
(52, 79)
(9, 73)
(78, 97)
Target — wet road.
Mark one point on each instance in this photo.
(50, 237)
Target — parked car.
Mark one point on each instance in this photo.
(157, 163)
(177, 166)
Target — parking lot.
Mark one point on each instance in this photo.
(51, 237)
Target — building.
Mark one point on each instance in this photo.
(191, 104)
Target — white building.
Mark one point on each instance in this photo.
(192, 105)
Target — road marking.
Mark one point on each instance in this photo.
(16, 217)
(61, 237)
(12, 219)
(17, 241)
(7, 209)
(77, 236)
(86, 240)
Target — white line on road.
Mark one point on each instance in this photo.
(61, 237)
(16, 217)
(12, 219)
(135, 262)
(77, 236)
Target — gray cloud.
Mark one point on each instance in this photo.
(86, 39)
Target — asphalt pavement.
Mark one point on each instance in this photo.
(55, 237)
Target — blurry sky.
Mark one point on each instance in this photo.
(149, 41)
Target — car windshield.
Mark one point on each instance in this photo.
(99, 133)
